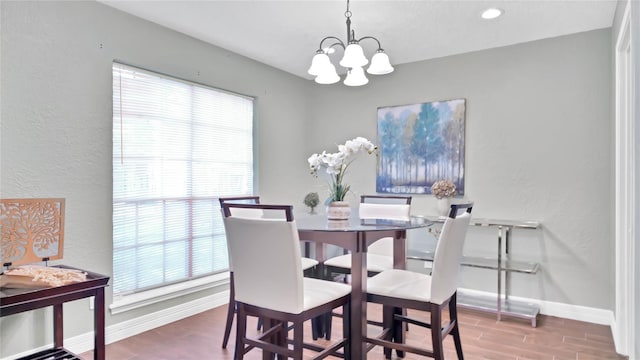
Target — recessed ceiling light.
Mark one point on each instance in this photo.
(491, 13)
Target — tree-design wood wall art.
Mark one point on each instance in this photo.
(32, 230)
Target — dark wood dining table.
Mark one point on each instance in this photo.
(356, 235)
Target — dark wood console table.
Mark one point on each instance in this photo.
(14, 301)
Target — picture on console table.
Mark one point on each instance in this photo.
(32, 230)
(419, 145)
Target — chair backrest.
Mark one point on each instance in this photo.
(446, 260)
(386, 199)
(266, 257)
(392, 207)
(240, 212)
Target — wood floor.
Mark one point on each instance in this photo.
(200, 337)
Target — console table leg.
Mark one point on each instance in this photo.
(98, 321)
(507, 274)
(58, 337)
(499, 269)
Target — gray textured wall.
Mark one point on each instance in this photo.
(539, 139)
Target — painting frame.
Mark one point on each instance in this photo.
(420, 144)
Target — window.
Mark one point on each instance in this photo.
(177, 147)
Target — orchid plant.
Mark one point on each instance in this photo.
(336, 164)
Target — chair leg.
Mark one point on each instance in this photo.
(346, 328)
(282, 338)
(241, 332)
(227, 328)
(317, 327)
(436, 332)
(297, 341)
(387, 323)
(399, 329)
(323, 322)
(326, 322)
(321, 326)
(267, 324)
(455, 332)
(231, 310)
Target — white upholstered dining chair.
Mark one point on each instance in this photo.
(380, 253)
(269, 283)
(398, 290)
(308, 265)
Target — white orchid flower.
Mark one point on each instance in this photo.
(336, 164)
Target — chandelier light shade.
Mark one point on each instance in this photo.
(328, 75)
(353, 56)
(320, 61)
(380, 64)
(353, 59)
(355, 77)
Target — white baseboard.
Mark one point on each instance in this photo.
(82, 343)
(566, 311)
(147, 322)
(575, 312)
(616, 336)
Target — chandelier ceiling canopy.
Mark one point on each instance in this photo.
(353, 59)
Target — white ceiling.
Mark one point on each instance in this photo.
(285, 34)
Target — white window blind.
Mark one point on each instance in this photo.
(177, 147)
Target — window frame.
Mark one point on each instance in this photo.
(143, 297)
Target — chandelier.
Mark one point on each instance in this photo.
(353, 59)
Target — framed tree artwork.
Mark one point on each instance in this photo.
(419, 145)
(32, 230)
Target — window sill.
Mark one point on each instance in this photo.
(129, 302)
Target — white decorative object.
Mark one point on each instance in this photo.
(32, 230)
(336, 164)
(338, 210)
(443, 190)
(444, 206)
(34, 276)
